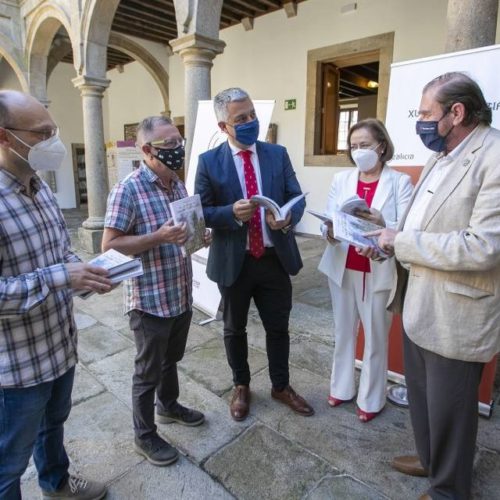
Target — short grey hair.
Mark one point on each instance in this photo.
(222, 99)
(146, 128)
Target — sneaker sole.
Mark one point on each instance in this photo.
(99, 497)
(152, 461)
(161, 419)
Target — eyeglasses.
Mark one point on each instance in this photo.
(45, 134)
(168, 144)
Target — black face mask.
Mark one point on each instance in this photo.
(171, 158)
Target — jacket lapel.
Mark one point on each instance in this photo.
(266, 168)
(384, 188)
(228, 168)
(425, 172)
(457, 171)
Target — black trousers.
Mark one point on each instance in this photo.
(443, 398)
(269, 285)
(160, 344)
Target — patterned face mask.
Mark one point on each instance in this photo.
(172, 158)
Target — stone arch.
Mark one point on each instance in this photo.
(12, 56)
(40, 34)
(150, 63)
(96, 24)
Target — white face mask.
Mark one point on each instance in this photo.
(365, 159)
(45, 155)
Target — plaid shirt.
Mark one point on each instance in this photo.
(140, 204)
(37, 330)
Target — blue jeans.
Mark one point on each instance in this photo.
(32, 422)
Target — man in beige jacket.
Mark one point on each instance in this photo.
(447, 248)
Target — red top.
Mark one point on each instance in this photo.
(355, 261)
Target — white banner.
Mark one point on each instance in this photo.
(207, 135)
(405, 90)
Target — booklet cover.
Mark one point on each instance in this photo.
(280, 213)
(352, 229)
(120, 267)
(189, 210)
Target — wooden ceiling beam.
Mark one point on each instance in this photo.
(141, 34)
(138, 13)
(240, 7)
(143, 27)
(276, 5)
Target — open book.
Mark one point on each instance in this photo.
(190, 211)
(280, 213)
(351, 229)
(354, 204)
(120, 267)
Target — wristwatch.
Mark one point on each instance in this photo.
(285, 229)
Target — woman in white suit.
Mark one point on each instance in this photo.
(360, 288)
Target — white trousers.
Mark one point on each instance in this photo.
(348, 308)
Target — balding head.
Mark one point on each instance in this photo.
(21, 110)
(24, 122)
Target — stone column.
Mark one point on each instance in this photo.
(197, 53)
(470, 24)
(92, 91)
(49, 176)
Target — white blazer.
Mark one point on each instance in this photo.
(393, 193)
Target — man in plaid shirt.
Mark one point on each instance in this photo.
(38, 338)
(138, 222)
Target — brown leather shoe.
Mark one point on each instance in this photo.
(410, 465)
(425, 496)
(240, 402)
(297, 403)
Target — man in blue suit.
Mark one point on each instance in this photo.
(252, 254)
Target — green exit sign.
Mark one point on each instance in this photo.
(290, 104)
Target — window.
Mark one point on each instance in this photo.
(345, 83)
(347, 118)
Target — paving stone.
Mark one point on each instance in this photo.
(182, 481)
(115, 373)
(207, 364)
(218, 429)
(342, 487)
(199, 335)
(85, 386)
(486, 479)
(106, 308)
(84, 321)
(99, 342)
(489, 431)
(289, 471)
(99, 438)
(363, 451)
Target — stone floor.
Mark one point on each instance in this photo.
(274, 454)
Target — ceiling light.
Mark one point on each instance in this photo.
(372, 84)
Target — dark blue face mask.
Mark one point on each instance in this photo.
(172, 158)
(247, 133)
(428, 132)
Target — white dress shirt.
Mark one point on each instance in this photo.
(238, 162)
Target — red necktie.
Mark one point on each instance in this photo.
(255, 237)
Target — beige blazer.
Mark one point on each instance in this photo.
(391, 197)
(452, 299)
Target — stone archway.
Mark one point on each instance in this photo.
(40, 35)
(13, 57)
(141, 55)
(96, 24)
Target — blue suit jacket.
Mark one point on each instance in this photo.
(219, 187)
